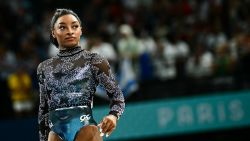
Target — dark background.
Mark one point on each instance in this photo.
(219, 27)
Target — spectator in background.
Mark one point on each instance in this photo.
(224, 61)
(200, 63)
(129, 50)
(223, 68)
(128, 45)
(164, 67)
(20, 86)
(199, 69)
(146, 72)
(174, 54)
(215, 37)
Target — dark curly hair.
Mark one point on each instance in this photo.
(58, 13)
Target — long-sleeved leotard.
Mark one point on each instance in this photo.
(70, 79)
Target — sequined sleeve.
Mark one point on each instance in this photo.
(43, 106)
(104, 76)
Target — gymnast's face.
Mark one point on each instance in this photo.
(67, 31)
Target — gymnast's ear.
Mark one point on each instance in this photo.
(53, 34)
(81, 31)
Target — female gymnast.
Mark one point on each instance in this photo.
(67, 83)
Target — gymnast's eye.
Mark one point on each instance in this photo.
(61, 27)
(75, 26)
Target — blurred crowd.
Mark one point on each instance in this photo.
(156, 48)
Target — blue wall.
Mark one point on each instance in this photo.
(158, 117)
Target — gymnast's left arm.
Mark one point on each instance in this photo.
(105, 76)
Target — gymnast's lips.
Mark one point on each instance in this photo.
(70, 38)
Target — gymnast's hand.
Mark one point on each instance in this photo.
(107, 125)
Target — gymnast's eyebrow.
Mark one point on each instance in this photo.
(71, 23)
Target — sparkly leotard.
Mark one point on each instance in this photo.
(67, 122)
(70, 79)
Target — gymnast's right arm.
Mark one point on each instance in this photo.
(43, 106)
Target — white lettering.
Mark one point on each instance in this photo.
(185, 115)
(204, 113)
(221, 111)
(236, 111)
(165, 115)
